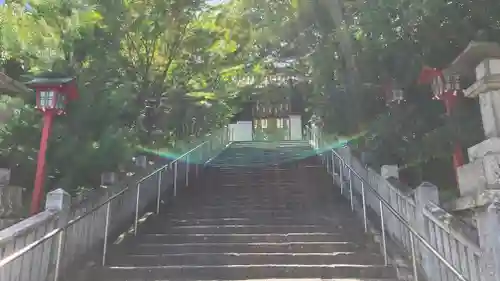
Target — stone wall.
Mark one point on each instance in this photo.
(11, 201)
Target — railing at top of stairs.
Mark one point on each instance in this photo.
(50, 256)
(343, 175)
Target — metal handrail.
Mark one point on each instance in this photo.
(56, 231)
(405, 223)
(60, 231)
(171, 162)
(383, 202)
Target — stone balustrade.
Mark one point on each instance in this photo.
(83, 240)
(468, 250)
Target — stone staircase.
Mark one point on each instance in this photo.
(258, 213)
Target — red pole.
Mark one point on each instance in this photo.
(450, 100)
(37, 196)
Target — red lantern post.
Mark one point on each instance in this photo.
(445, 88)
(52, 95)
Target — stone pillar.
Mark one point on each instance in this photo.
(425, 193)
(481, 61)
(295, 127)
(315, 135)
(108, 178)
(141, 161)
(59, 201)
(4, 177)
(488, 226)
(389, 171)
(384, 188)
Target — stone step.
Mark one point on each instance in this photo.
(277, 181)
(255, 201)
(230, 209)
(242, 220)
(248, 259)
(293, 173)
(252, 182)
(273, 279)
(255, 247)
(239, 193)
(266, 215)
(230, 174)
(227, 171)
(296, 159)
(240, 272)
(276, 202)
(299, 210)
(162, 238)
(241, 229)
(242, 212)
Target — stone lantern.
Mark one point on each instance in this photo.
(483, 171)
(479, 180)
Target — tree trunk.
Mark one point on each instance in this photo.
(336, 10)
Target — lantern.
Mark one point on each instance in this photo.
(53, 94)
(445, 87)
(444, 84)
(393, 93)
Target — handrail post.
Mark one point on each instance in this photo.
(327, 163)
(333, 168)
(136, 220)
(365, 219)
(175, 178)
(197, 162)
(382, 227)
(158, 193)
(350, 188)
(187, 170)
(413, 258)
(341, 174)
(57, 268)
(106, 229)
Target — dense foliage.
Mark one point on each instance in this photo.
(204, 61)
